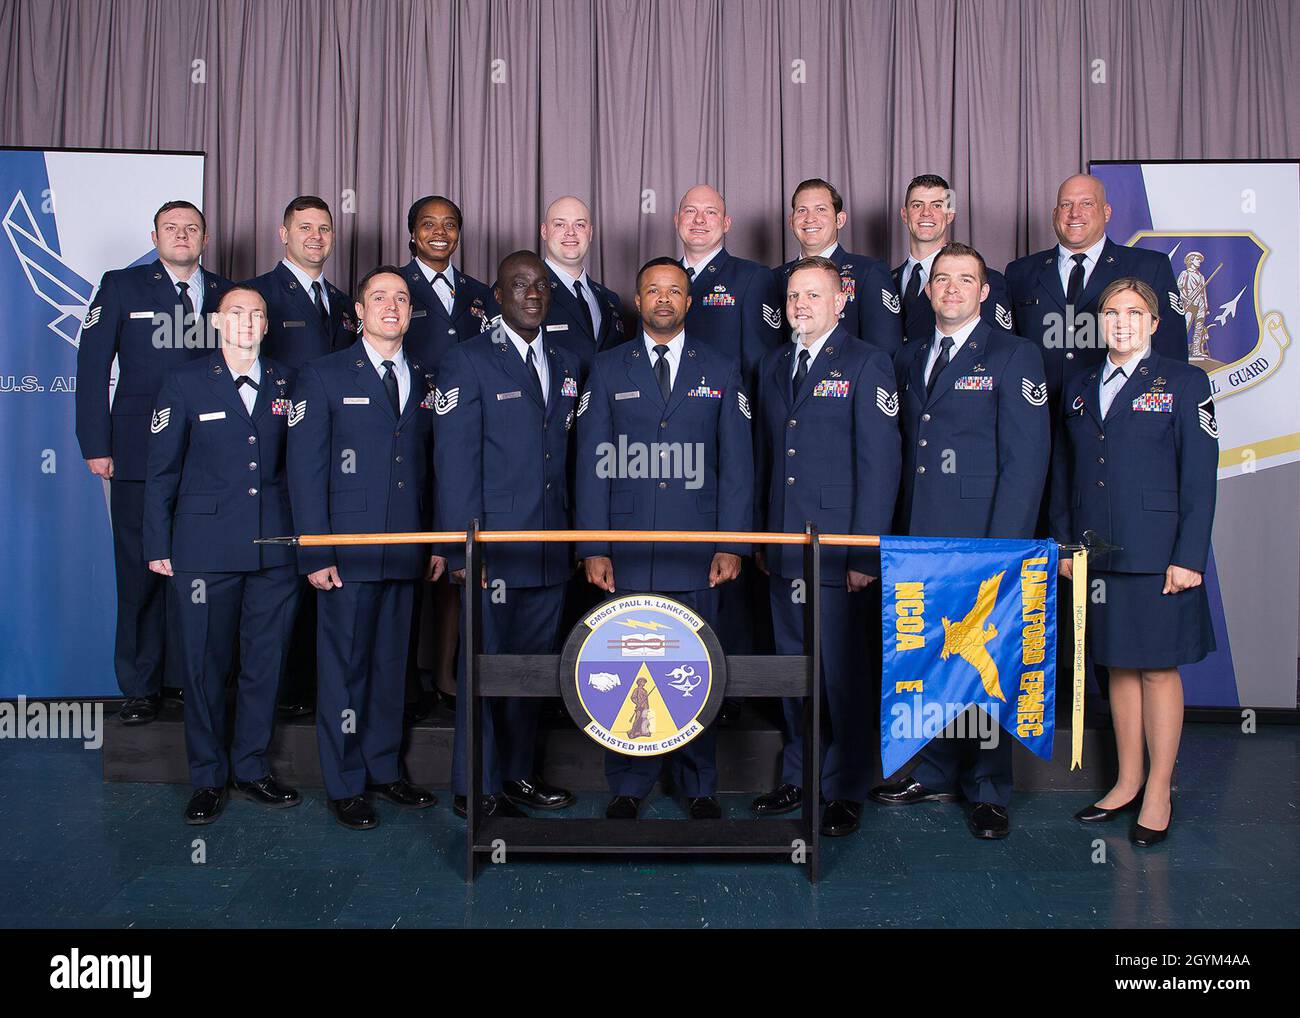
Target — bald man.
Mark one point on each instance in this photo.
(731, 298)
(1054, 292)
(584, 317)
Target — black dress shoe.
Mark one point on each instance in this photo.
(1095, 814)
(784, 799)
(204, 806)
(622, 807)
(402, 793)
(841, 817)
(1145, 837)
(489, 806)
(906, 791)
(355, 813)
(293, 709)
(174, 693)
(536, 794)
(138, 710)
(268, 792)
(989, 821)
(704, 807)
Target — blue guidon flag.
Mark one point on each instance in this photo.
(965, 622)
(642, 675)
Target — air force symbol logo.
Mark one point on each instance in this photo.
(643, 675)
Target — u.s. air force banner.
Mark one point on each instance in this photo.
(642, 675)
(966, 622)
(68, 217)
(1231, 232)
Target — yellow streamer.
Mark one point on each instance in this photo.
(1080, 596)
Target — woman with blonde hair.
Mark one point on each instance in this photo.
(1136, 459)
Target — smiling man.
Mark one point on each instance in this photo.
(1054, 292)
(928, 211)
(360, 431)
(447, 305)
(506, 405)
(871, 310)
(115, 442)
(584, 317)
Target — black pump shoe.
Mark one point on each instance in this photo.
(1145, 837)
(1095, 814)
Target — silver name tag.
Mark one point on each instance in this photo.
(627, 395)
(142, 314)
(220, 415)
(509, 395)
(356, 400)
(558, 328)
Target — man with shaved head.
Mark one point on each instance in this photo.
(584, 317)
(1054, 292)
(731, 298)
(505, 405)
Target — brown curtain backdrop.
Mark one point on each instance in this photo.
(504, 104)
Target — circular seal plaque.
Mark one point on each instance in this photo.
(642, 675)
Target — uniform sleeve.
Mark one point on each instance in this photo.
(1170, 339)
(877, 457)
(762, 321)
(595, 428)
(880, 310)
(1061, 482)
(458, 448)
(1196, 440)
(308, 461)
(168, 440)
(735, 462)
(95, 352)
(1024, 444)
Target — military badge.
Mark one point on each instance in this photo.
(161, 418)
(1077, 404)
(771, 316)
(297, 412)
(742, 401)
(719, 298)
(887, 402)
(1206, 417)
(826, 387)
(974, 383)
(281, 407)
(1035, 395)
(891, 301)
(702, 391)
(1003, 316)
(92, 317)
(430, 401)
(1155, 402)
(569, 387)
(584, 402)
(445, 402)
(643, 675)
(848, 285)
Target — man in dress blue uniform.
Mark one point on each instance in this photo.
(505, 405)
(1054, 292)
(360, 431)
(307, 317)
(150, 317)
(584, 317)
(216, 483)
(447, 306)
(928, 212)
(827, 450)
(670, 388)
(731, 298)
(871, 309)
(976, 442)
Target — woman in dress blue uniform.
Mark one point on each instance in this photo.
(1136, 461)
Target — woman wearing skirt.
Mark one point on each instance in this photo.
(1135, 460)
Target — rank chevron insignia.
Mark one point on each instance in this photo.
(887, 402)
(1176, 302)
(445, 402)
(1003, 315)
(771, 316)
(890, 301)
(92, 317)
(584, 402)
(743, 402)
(1035, 395)
(297, 412)
(1208, 420)
(161, 418)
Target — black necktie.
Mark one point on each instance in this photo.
(662, 372)
(445, 282)
(390, 383)
(319, 300)
(913, 283)
(1076, 281)
(585, 308)
(1111, 377)
(800, 373)
(940, 362)
(690, 273)
(187, 305)
(537, 378)
(245, 380)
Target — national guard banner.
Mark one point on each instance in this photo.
(1231, 232)
(69, 216)
(966, 622)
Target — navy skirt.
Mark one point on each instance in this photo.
(1136, 626)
